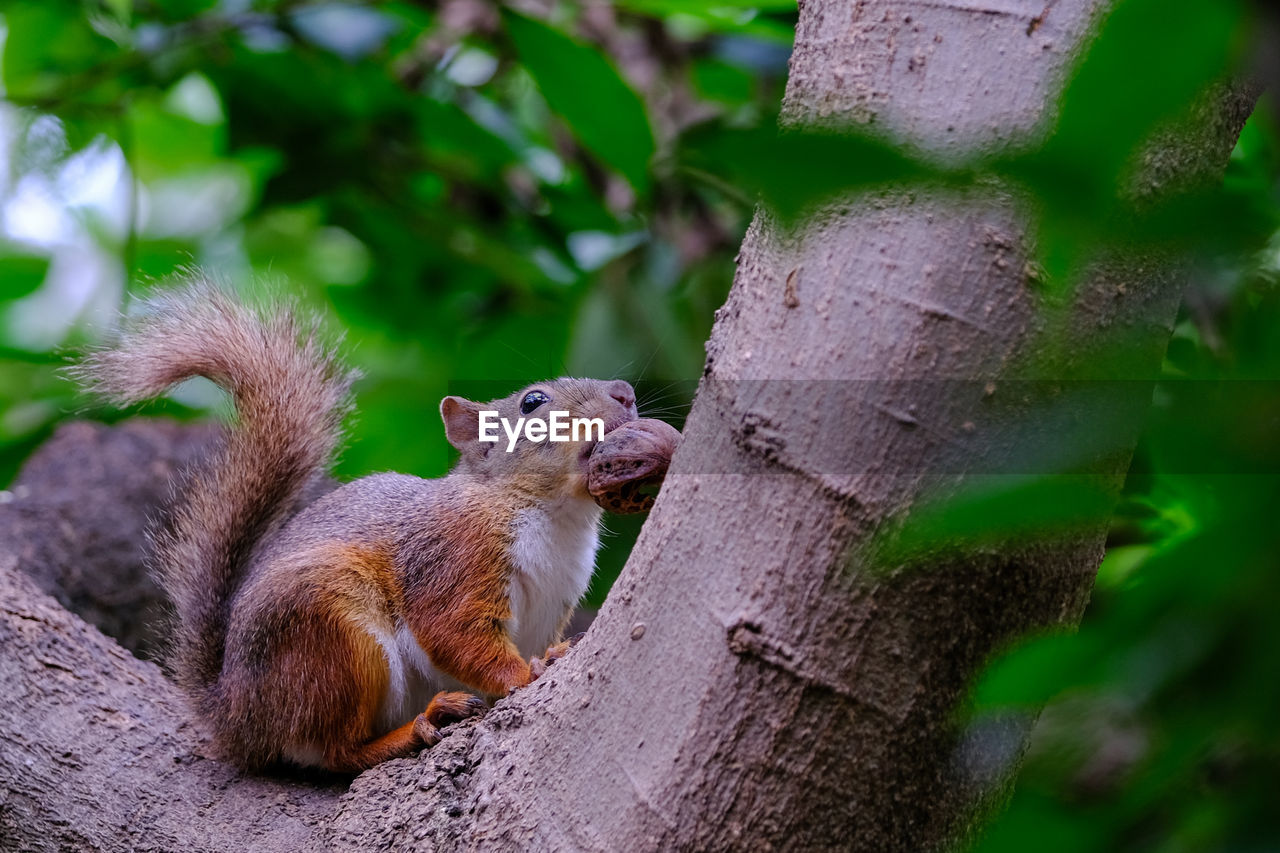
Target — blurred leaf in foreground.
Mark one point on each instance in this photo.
(795, 169)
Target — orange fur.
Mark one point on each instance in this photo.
(460, 616)
(323, 679)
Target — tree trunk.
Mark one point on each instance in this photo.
(749, 682)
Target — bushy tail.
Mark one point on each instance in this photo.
(291, 393)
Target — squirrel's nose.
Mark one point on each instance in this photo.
(623, 392)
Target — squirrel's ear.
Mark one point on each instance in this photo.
(461, 421)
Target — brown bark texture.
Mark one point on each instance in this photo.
(750, 682)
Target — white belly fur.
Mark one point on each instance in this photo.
(554, 555)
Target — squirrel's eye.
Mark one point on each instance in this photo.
(531, 401)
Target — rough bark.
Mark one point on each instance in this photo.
(74, 523)
(749, 683)
(98, 753)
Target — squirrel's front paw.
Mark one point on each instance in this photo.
(554, 652)
(446, 708)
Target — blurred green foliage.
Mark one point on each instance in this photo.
(1159, 729)
(481, 195)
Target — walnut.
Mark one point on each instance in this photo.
(627, 465)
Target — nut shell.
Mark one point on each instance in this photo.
(629, 463)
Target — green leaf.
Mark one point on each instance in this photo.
(706, 7)
(1040, 823)
(720, 81)
(156, 259)
(458, 145)
(739, 17)
(795, 169)
(1149, 65)
(52, 51)
(603, 112)
(1031, 675)
(122, 8)
(167, 144)
(993, 511)
(1120, 563)
(21, 274)
(1152, 59)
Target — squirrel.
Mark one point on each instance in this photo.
(344, 632)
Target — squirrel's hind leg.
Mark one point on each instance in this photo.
(351, 748)
(309, 676)
(419, 733)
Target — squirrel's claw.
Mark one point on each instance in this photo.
(425, 731)
(538, 666)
